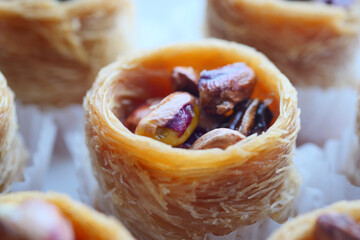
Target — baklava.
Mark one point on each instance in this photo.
(164, 178)
(51, 51)
(314, 43)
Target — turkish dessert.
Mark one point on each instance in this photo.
(52, 50)
(339, 221)
(312, 42)
(192, 139)
(50, 216)
(13, 154)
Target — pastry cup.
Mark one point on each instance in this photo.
(12, 151)
(311, 43)
(303, 226)
(161, 192)
(51, 51)
(87, 223)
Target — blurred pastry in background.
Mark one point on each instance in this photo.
(13, 154)
(50, 216)
(338, 221)
(192, 139)
(51, 51)
(312, 42)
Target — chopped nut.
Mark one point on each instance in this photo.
(234, 120)
(248, 120)
(139, 113)
(222, 88)
(336, 226)
(263, 118)
(185, 79)
(218, 138)
(172, 121)
(249, 116)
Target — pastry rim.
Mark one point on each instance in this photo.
(200, 160)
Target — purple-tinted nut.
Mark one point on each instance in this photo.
(34, 220)
(336, 226)
(218, 138)
(139, 113)
(222, 88)
(185, 79)
(172, 121)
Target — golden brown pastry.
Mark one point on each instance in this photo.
(58, 215)
(312, 43)
(51, 51)
(162, 192)
(12, 151)
(333, 222)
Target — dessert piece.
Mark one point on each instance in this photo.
(312, 42)
(340, 221)
(50, 216)
(162, 189)
(12, 150)
(51, 51)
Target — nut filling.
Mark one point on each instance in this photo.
(212, 110)
(336, 226)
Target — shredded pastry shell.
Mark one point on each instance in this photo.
(311, 43)
(51, 51)
(161, 192)
(13, 154)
